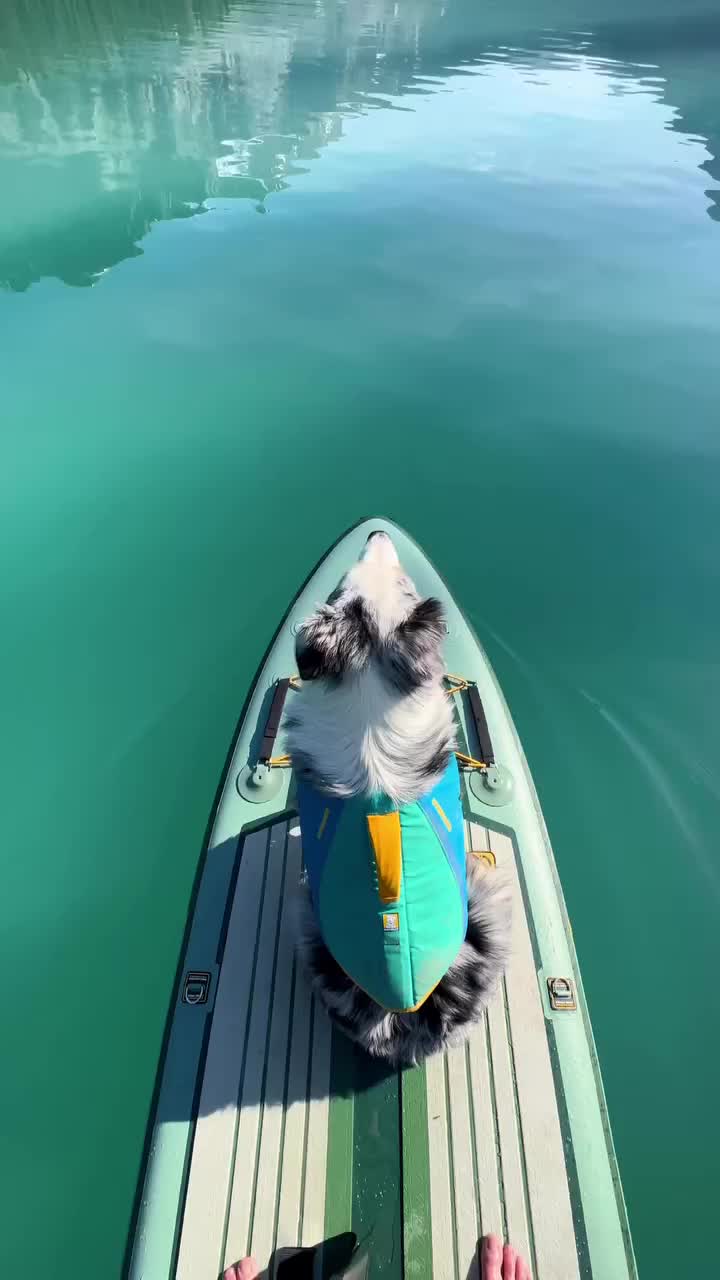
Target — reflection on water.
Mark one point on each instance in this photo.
(113, 117)
(101, 136)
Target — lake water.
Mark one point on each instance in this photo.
(267, 268)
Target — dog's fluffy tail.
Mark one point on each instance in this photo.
(454, 1006)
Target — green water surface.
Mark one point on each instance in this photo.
(268, 267)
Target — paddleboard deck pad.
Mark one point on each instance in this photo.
(271, 1133)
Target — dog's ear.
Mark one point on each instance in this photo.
(414, 651)
(334, 640)
(314, 646)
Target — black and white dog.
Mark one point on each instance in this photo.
(372, 715)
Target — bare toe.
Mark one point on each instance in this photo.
(522, 1270)
(246, 1269)
(491, 1258)
(509, 1260)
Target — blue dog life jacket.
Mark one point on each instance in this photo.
(389, 886)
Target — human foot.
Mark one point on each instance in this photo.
(498, 1263)
(247, 1269)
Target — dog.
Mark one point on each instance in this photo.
(371, 729)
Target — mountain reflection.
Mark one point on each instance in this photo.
(115, 115)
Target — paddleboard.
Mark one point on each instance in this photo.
(271, 1133)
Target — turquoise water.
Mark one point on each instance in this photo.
(269, 267)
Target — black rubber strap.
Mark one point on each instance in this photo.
(485, 746)
(272, 724)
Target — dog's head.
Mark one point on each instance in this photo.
(375, 614)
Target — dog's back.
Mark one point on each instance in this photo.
(388, 887)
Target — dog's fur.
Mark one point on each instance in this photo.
(372, 715)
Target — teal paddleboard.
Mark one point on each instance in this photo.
(271, 1132)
